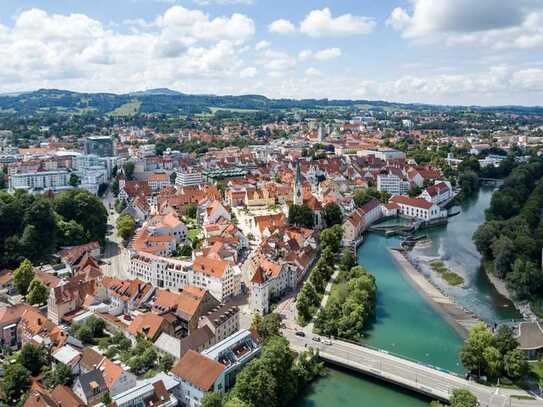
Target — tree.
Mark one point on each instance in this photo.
(301, 216)
(504, 340)
(15, 382)
(74, 180)
(84, 208)
(348, 261)
(166, 362)
(256, 385)
(37, 292)
(415, 191)
(267, 326)
(128, 168)
(493, 361)
(472, 353)
(212, 399)
(504, 255)
(236, 402)
(184, 251)
(524, 279)
(306, 302)
(32, 358)
(515, 364)
(173, 177)
(23, 276)
(484, 238)
(126, 226)
(191, 210)
(60, 374)
(332, 214)
(363, 196)
(468, 181)
(463, 398)
(331, 238)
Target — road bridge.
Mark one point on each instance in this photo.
(430, 381)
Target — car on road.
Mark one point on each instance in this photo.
(300, 333)
(327, 342)
(316, 339)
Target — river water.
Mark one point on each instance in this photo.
(406, 324)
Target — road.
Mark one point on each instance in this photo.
(115, 255)
(405, 373)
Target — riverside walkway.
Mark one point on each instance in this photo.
(427, 380)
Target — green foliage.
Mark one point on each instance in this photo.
(90, 330)
(525, 279)
(348, 261)
(183, 251)
(363, 196)
(23, 276)
(212, 399)
(307, 302)
(493, 355)
(37, 292)
(276, 378)
(191, 210)
(463, 398)
(331, 238)
(33, 358)
(351, 305)
(332, 214)
(128, 169)
(60, 374)
(15, 383)
(469, 183)
(74, 180)
(86, 209)
(126, 226)
(166, 362)
(301, 216)
(267, 326)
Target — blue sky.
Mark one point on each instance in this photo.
(437, 51)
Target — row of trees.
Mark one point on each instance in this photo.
(310, 295)
(512, 237)
(275, 379)
(363, 196)
(350, 306)
(35, 226)
(495, 356)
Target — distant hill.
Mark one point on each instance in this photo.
(166, 101)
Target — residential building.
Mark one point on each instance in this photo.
(55, 181)
(187, 179)
(418, 208)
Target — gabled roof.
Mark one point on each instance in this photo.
(148, 324)
(211, 266)
(414, 202)
(198, 370)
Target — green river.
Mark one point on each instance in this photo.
(406, 324)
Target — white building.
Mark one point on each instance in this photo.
(40, 181)
(418, 208)
(187, 179)
(438, 193)
(392, 183)
(216, 276)
(270, 280)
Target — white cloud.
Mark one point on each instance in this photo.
(277, 61)
(496, 24)
(327, 54)
(219, 2)
(321, 23)
(281, 26)
(322, 55)
(78, 52)
(312, 72)
(249, 72)
(262, 45)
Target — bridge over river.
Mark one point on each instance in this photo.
(427, 380)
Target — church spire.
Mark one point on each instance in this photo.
(298, 198)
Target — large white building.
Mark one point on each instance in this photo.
(40, 181)
(394, 184)
(216, 276)
(270, 280)
(187, 179)
(418, 208)
(438, 193)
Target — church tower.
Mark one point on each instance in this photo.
(298, 198)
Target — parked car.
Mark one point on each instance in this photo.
(300, 333)
(316, 339)
(327, 342)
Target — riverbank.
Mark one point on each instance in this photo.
(459, 318)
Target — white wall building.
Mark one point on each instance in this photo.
(418, 208)
(187, 179)
(36, 181)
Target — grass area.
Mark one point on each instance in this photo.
(128, 109)
(450, 277)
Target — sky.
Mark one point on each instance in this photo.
(485, 52)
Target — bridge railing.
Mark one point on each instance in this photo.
(403, 357)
